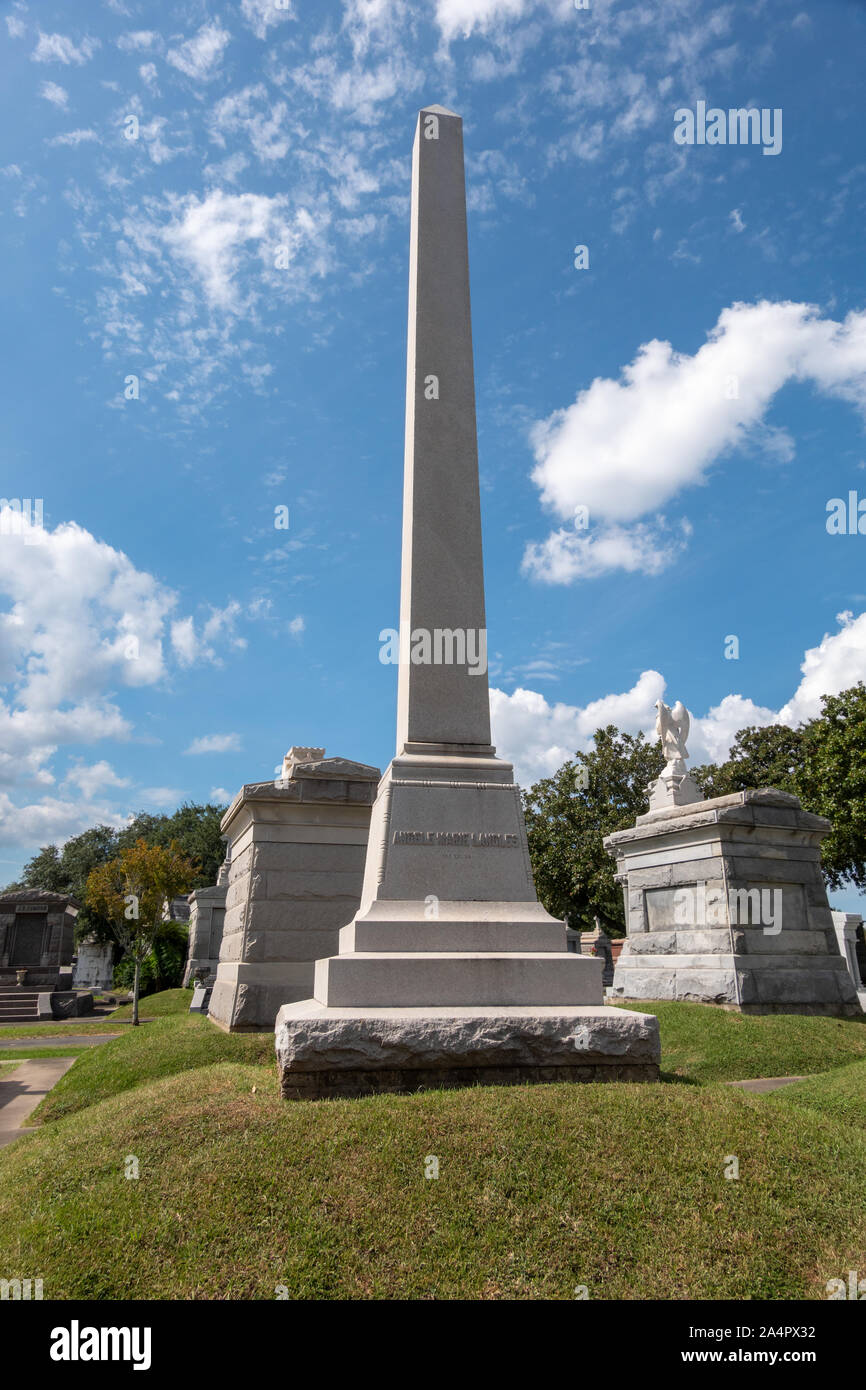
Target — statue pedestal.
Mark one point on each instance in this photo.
(726, 904)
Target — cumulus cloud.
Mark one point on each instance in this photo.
(624, 449)
(538, 736)
(200, 57)
(215, 743)
(94, 777)
(57, 48)
(78, 622)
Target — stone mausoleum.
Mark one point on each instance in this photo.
(725, 900)
(37, 934)
(297, 846)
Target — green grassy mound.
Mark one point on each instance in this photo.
(841, 1094)
(706, 1043)
(620, 1188)
(170, 1001)
(170, 1044)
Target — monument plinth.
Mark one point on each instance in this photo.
(451, 971)
(725, 900)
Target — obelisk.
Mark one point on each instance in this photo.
(451, 972)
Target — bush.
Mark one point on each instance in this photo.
(163, 968)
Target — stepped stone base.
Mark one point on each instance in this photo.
(698, 881)
(324, 1052)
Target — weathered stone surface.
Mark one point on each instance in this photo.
(297, 850)
(313, 1038)
(764, 851)
(449, 1007)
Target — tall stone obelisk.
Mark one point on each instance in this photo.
(451, 972)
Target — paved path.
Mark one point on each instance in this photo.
(58, 1040)
(22, 1092)
(761, 1084)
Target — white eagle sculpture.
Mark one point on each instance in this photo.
(675, 786)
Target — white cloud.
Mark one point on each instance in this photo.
(93, 777)
(626, 448)
(297, 626)
(539, 737)
(140, 41)
(53, 92)
(75, 137)
(460, 17)
(159, 796)
(57, 48)
(250, 111)
(16, 27)
(51, 821)
(569, 555)
(261, 15)
(78, 622)
(210, 234)
(201, 56)
(219, 795)
(215, 743)
(190, 647)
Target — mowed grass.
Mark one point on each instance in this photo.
(170, 1044)
(541, 1189)
(840, 1094)
(705, 1043)
(620, 1188)
(170, 1001)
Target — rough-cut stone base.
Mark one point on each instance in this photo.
(342, 1052)
(331, 1085)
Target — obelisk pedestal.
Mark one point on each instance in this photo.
(451, 972)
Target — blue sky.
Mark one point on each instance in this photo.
(700, 388)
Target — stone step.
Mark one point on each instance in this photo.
(440, 935)
(382, 979)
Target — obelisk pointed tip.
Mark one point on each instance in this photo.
(438, 111)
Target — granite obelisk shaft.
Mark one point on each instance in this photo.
(441, 703)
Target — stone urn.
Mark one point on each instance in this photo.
(20, 977)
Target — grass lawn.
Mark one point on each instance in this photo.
(154, 1006)
(712, 1044)
(541, 1188)
(840, 1094)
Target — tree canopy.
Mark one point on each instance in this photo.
(568, 816)
(194, 828)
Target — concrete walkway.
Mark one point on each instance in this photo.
(22, 1092)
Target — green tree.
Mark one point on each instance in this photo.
(133, 891)
(759, 757)
(568, 816)
(823, 762)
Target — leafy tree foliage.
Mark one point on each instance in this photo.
(195, 828)
(823, 762)
(568, 815)
(133, 892)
